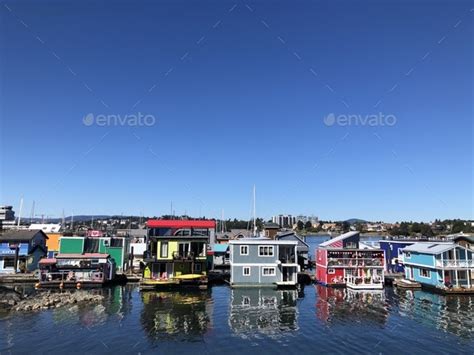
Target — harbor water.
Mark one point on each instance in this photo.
(222, 320)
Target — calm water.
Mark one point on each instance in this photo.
(226, 321)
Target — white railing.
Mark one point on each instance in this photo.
(455, 263)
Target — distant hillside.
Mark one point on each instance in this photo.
(355, 220)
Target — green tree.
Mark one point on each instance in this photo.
(308, 225)
(300, 225)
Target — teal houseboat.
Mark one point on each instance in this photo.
(444, 267)
(116, 247)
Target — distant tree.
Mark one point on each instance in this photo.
(404, 229)
(308, 225)
(346, 226)
(300, 225)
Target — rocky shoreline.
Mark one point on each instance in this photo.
(43, 300)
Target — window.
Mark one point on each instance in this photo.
(425, 273)
(268, 271)
(245, 301)
(197, 268)
(351, 245)
(265, 250)
(331, 271)
(244, 250)
(164, 250)
(183, 249)
(8, 263)
(407, 255)
(246, 271)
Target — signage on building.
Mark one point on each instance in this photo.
(10, 248)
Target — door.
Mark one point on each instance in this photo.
(285, 274)
(410, 273)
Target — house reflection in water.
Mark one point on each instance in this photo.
(263, 310)
(185, 314)
(450, 313)
(344, 304)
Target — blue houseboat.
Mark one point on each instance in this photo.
(444, 267)
(393, 252)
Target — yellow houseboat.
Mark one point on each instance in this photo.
(177, 253)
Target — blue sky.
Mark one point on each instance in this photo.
(239, 92)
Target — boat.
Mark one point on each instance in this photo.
(76, 270)
(404, 283)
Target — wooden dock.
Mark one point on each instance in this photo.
(18, 278)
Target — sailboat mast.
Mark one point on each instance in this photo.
(254, 213)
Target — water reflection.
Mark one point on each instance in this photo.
(263, 310)
(182, 315)
(344, 304)
(116, 306)
(450, 313)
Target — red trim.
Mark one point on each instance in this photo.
(166, 223)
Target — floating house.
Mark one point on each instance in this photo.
(444, 267)
(20, 251)
(77, 270)
(263, 262)
(177, 253)
(343, 261)
(117, 247)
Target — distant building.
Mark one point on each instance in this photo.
(7, 217)
(284, 221)
(7, 213)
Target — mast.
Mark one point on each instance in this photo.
(21, 207)
(254, 213)
(72, 221)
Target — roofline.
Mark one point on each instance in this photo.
(263, 241)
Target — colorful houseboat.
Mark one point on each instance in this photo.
(117, 247)
(176, 253)
(443, 267)
(342, 261)
(76, 270)
(20, 251)
(263, 262)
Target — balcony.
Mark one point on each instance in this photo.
(355, 262)
(450, 263)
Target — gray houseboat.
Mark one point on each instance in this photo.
(263, 262)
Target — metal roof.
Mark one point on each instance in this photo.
(430, 248)
(340, 238)
(177, 223)
(263, 241)
(21, 235)
(220, 248)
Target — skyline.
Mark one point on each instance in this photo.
(328, 108)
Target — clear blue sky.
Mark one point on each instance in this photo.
(239, 94)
